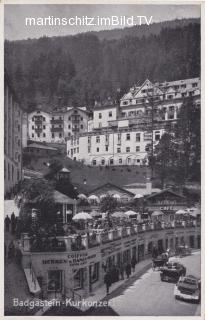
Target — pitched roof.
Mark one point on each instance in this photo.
(62, 198)
(163, 191)
(113, 186)
(40, 146)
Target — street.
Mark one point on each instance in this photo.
(148, 296)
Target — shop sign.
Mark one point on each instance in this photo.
(54, 261)
(77, 259)
(113, 247)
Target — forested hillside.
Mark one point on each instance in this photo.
(81, 69)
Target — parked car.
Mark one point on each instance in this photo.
(172, 271)
(188, 288)
(160, 260)
(183, 251)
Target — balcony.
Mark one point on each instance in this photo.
(56, 129)
(38, 130)
(37, 122)
(56, 121)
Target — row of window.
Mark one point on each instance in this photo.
(44, 135)
(55, 278)
(147, 136)
(60, 126)
(9, 171)
(119, 149)
(40, 118)
(168, 96)
(74, 151)
(109, 115)
(118, 161)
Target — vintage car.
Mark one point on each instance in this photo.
(182, 251)
(188, 288)
(160, 261)
(172, 271)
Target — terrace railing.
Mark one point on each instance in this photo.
(77, 242)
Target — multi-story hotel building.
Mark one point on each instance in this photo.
(12, 138)
(58, 125)
(122, 133)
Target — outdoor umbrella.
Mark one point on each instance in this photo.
(157, 213)
(119, 214)
(102, 196)
(93, 197)
(82, 216)
(116, 196)
(131, 213)
(178, 212)
(96, 213)
(82, 196)
(138, 196)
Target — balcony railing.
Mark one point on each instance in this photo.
(38, 122)
(81, 242)
(38, 129)
(56, 121)
(56, 129)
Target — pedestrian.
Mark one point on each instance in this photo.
(133, 263)
(13, 222)
(108, 281)
(122, 270)
(128, 270)
(11, 251)
(7, 222)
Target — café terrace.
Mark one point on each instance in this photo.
(74, 264)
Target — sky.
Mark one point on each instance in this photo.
(15, 28)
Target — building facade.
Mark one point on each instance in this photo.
(121, 134)
(56, 126)
(12, 138)
(112, 147)
(77, 267)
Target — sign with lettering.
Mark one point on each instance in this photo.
(113, 248)
(77, 259)
(54, 261)
(129, 243)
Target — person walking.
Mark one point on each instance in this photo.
(7, 222)
(13, 223)
(122, 270)
(128, 270)
(108, 281)
(11, 251)
(133, 263)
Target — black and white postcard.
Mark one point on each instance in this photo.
(102, 159)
